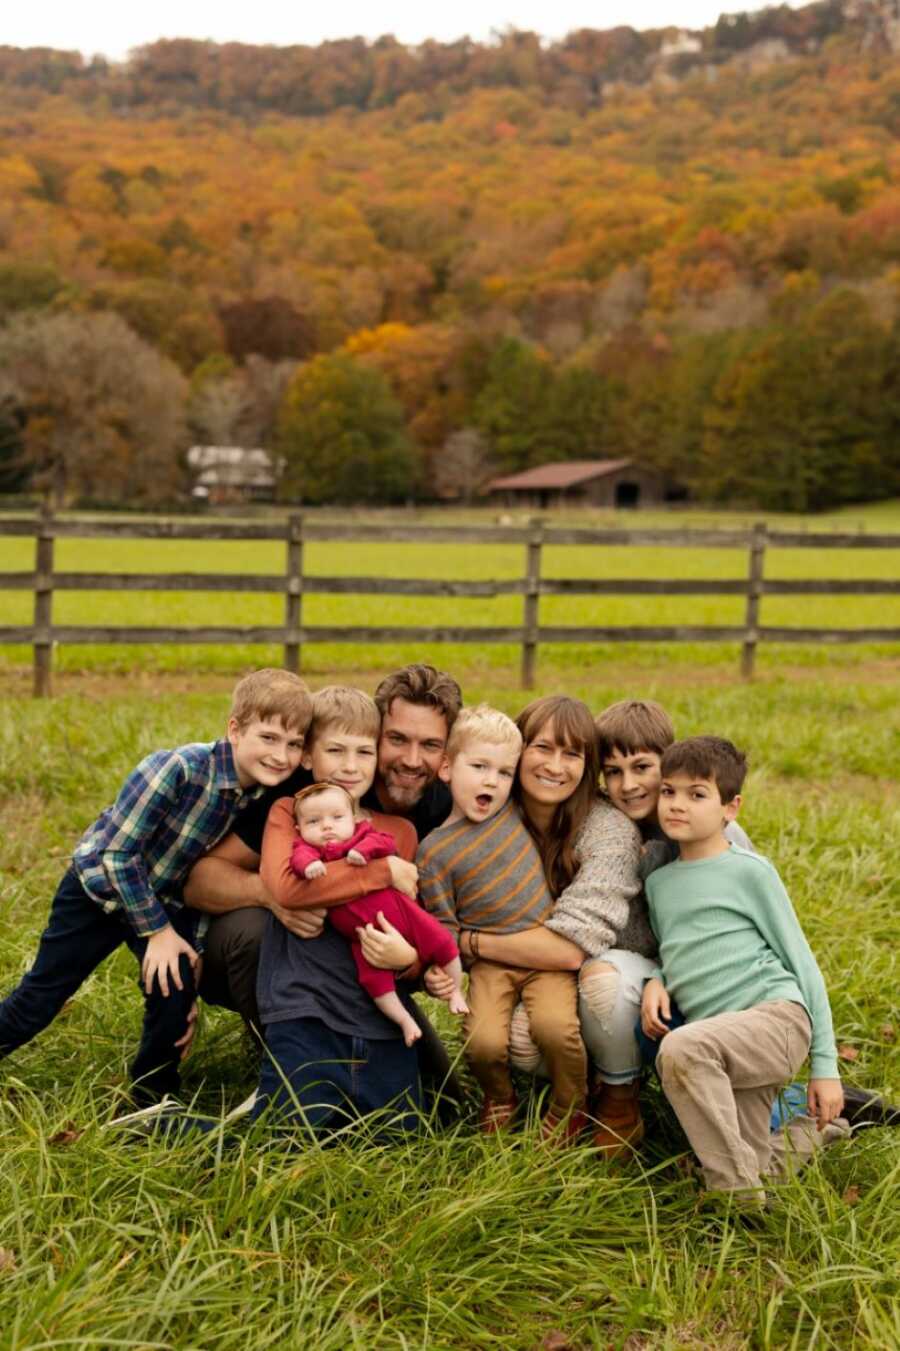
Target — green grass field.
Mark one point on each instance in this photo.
(449, 1241)
(557, 662)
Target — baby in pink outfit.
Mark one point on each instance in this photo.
(327, 830)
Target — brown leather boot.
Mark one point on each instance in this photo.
(620, 1127)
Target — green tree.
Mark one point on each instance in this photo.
(511, 408)
(343, 436)
(806, 418)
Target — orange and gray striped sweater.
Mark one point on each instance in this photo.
(484, 875)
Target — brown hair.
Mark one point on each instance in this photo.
(634, 725)
(346, 709)
(573, 725)
(708, 757)
(421, 684)
(269, 694)
(316, 790)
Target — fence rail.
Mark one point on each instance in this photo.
(293, 583)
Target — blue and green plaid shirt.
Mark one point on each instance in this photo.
(172, 809)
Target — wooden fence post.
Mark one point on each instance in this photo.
(530, 606)
(755, 578)
(43, 602)
(293, 601)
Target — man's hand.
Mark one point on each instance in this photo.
(161, 959)
(356, 858)
(404, 876)
(825, 1099)
(655, 1006)
(385, 947)
(301, 923)
(314, 869)
(185, 1042)
(438, 984)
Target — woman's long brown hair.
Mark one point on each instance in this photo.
(572, 725)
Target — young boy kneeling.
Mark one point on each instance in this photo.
(733, 956)
(124, 882)
(481, 871)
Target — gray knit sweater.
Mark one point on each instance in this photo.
(604, 907)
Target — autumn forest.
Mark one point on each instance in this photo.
(404, 270)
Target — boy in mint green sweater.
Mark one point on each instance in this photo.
(734, 958)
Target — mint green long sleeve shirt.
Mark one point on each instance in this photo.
(729, 939)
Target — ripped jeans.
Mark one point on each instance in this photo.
(609, 1007)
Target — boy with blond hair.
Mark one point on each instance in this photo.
(733, 954)
(124, 882)
(481, 871)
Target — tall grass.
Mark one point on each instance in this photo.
(446, 1241)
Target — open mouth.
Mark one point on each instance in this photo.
(483, 801)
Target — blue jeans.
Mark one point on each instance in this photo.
(790, 1102)
(78, 936)
(326, 1078)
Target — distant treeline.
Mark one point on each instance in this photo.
(412, 291)
(354, 73)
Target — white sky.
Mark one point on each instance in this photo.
(112, 28)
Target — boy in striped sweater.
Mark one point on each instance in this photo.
(733, 956)
(481, 871)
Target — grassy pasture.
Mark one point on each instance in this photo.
(556, 662)
(450, 1241)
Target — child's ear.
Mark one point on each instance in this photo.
(233, 730)
(731, 809)
(444, 771)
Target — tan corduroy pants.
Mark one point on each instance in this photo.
(551, 998)
(721, 1076)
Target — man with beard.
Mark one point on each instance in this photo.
(418, 705)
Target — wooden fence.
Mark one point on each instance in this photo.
(294, 583)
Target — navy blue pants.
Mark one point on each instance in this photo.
(331, 1077)
(78, 936)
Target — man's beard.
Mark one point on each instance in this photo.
(401, 794)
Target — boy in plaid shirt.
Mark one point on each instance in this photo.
(124, 882)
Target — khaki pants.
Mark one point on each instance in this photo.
(551, 1000)
(721, 1076)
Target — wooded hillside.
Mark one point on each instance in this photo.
(448, 260)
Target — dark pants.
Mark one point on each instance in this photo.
(229, 981)
(78, 936)
(327, 1078)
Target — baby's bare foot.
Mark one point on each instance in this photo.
(457, 1004)
(411, 1032)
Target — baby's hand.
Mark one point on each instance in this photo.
(314, 869)
(356, 858)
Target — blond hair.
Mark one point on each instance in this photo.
(347, 710)
(634, 725)
(483, 723)
(313, 790)
(272, 694)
